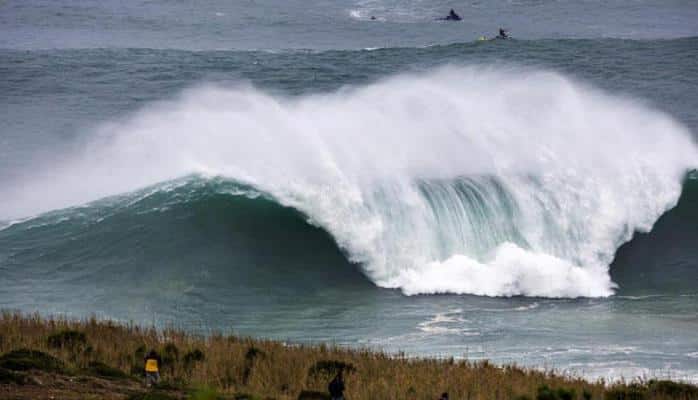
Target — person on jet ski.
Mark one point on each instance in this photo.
(503, 34)
(452, 16)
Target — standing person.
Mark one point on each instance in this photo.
(152, 368)
(336, 387)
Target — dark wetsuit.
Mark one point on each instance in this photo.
(452, 16)
(336, 388)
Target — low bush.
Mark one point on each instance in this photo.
(139, 353)
(566, 394)
(170, 355)
(310, 395)
(193, 357)
(26, 359)
(250, 356)
(204, 393)
(67, 338)
(245, 396)
(629, 392)
(153, 395)
(546, 393)
(676, 390)
(10, 377)
(252, 353)
(330, 367)
(103, 370)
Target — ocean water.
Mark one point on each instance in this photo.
(299, 171)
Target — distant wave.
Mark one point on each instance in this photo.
(460, 180)
(681, 44)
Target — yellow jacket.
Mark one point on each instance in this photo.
(151, 365)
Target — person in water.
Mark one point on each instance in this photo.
(336, 387)
(444, 396)
(503, 34)
(452, 16)
(152, 368)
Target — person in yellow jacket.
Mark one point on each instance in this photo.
(152, 368)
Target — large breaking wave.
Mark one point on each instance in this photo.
(495, 182)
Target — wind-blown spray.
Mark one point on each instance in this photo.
(459, 180)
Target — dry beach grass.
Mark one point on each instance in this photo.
(93, 351)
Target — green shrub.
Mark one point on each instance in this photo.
(192, 357)
(250, 356)
(170, 355)
(245, 396)
(630, 392)
(25, 359)
(330, 367)
(67, 338)
(545, 393)
(310, 395)
(154, 395)
(137, 370)
(7, 377)
(204, 393)
(673, 389)
(253, 353)
(139, 353)
(566, 394)
(138, 366)
(105, 371)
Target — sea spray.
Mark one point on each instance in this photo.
(495, 182)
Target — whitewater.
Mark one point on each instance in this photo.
(494, 181)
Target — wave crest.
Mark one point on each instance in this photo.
(488, 181)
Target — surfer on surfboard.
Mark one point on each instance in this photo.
(452, 16)
(503, 34)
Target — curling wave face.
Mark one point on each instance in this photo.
(495, 182)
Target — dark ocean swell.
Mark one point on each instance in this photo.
(196, 226)
(175, 229)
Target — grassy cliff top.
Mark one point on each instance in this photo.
(103, 359)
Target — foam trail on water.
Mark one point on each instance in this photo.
(460, 180)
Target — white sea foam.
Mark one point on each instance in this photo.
(460, 180)
(449, 322)
(394, 11)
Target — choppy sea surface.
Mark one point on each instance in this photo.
(302, 171)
